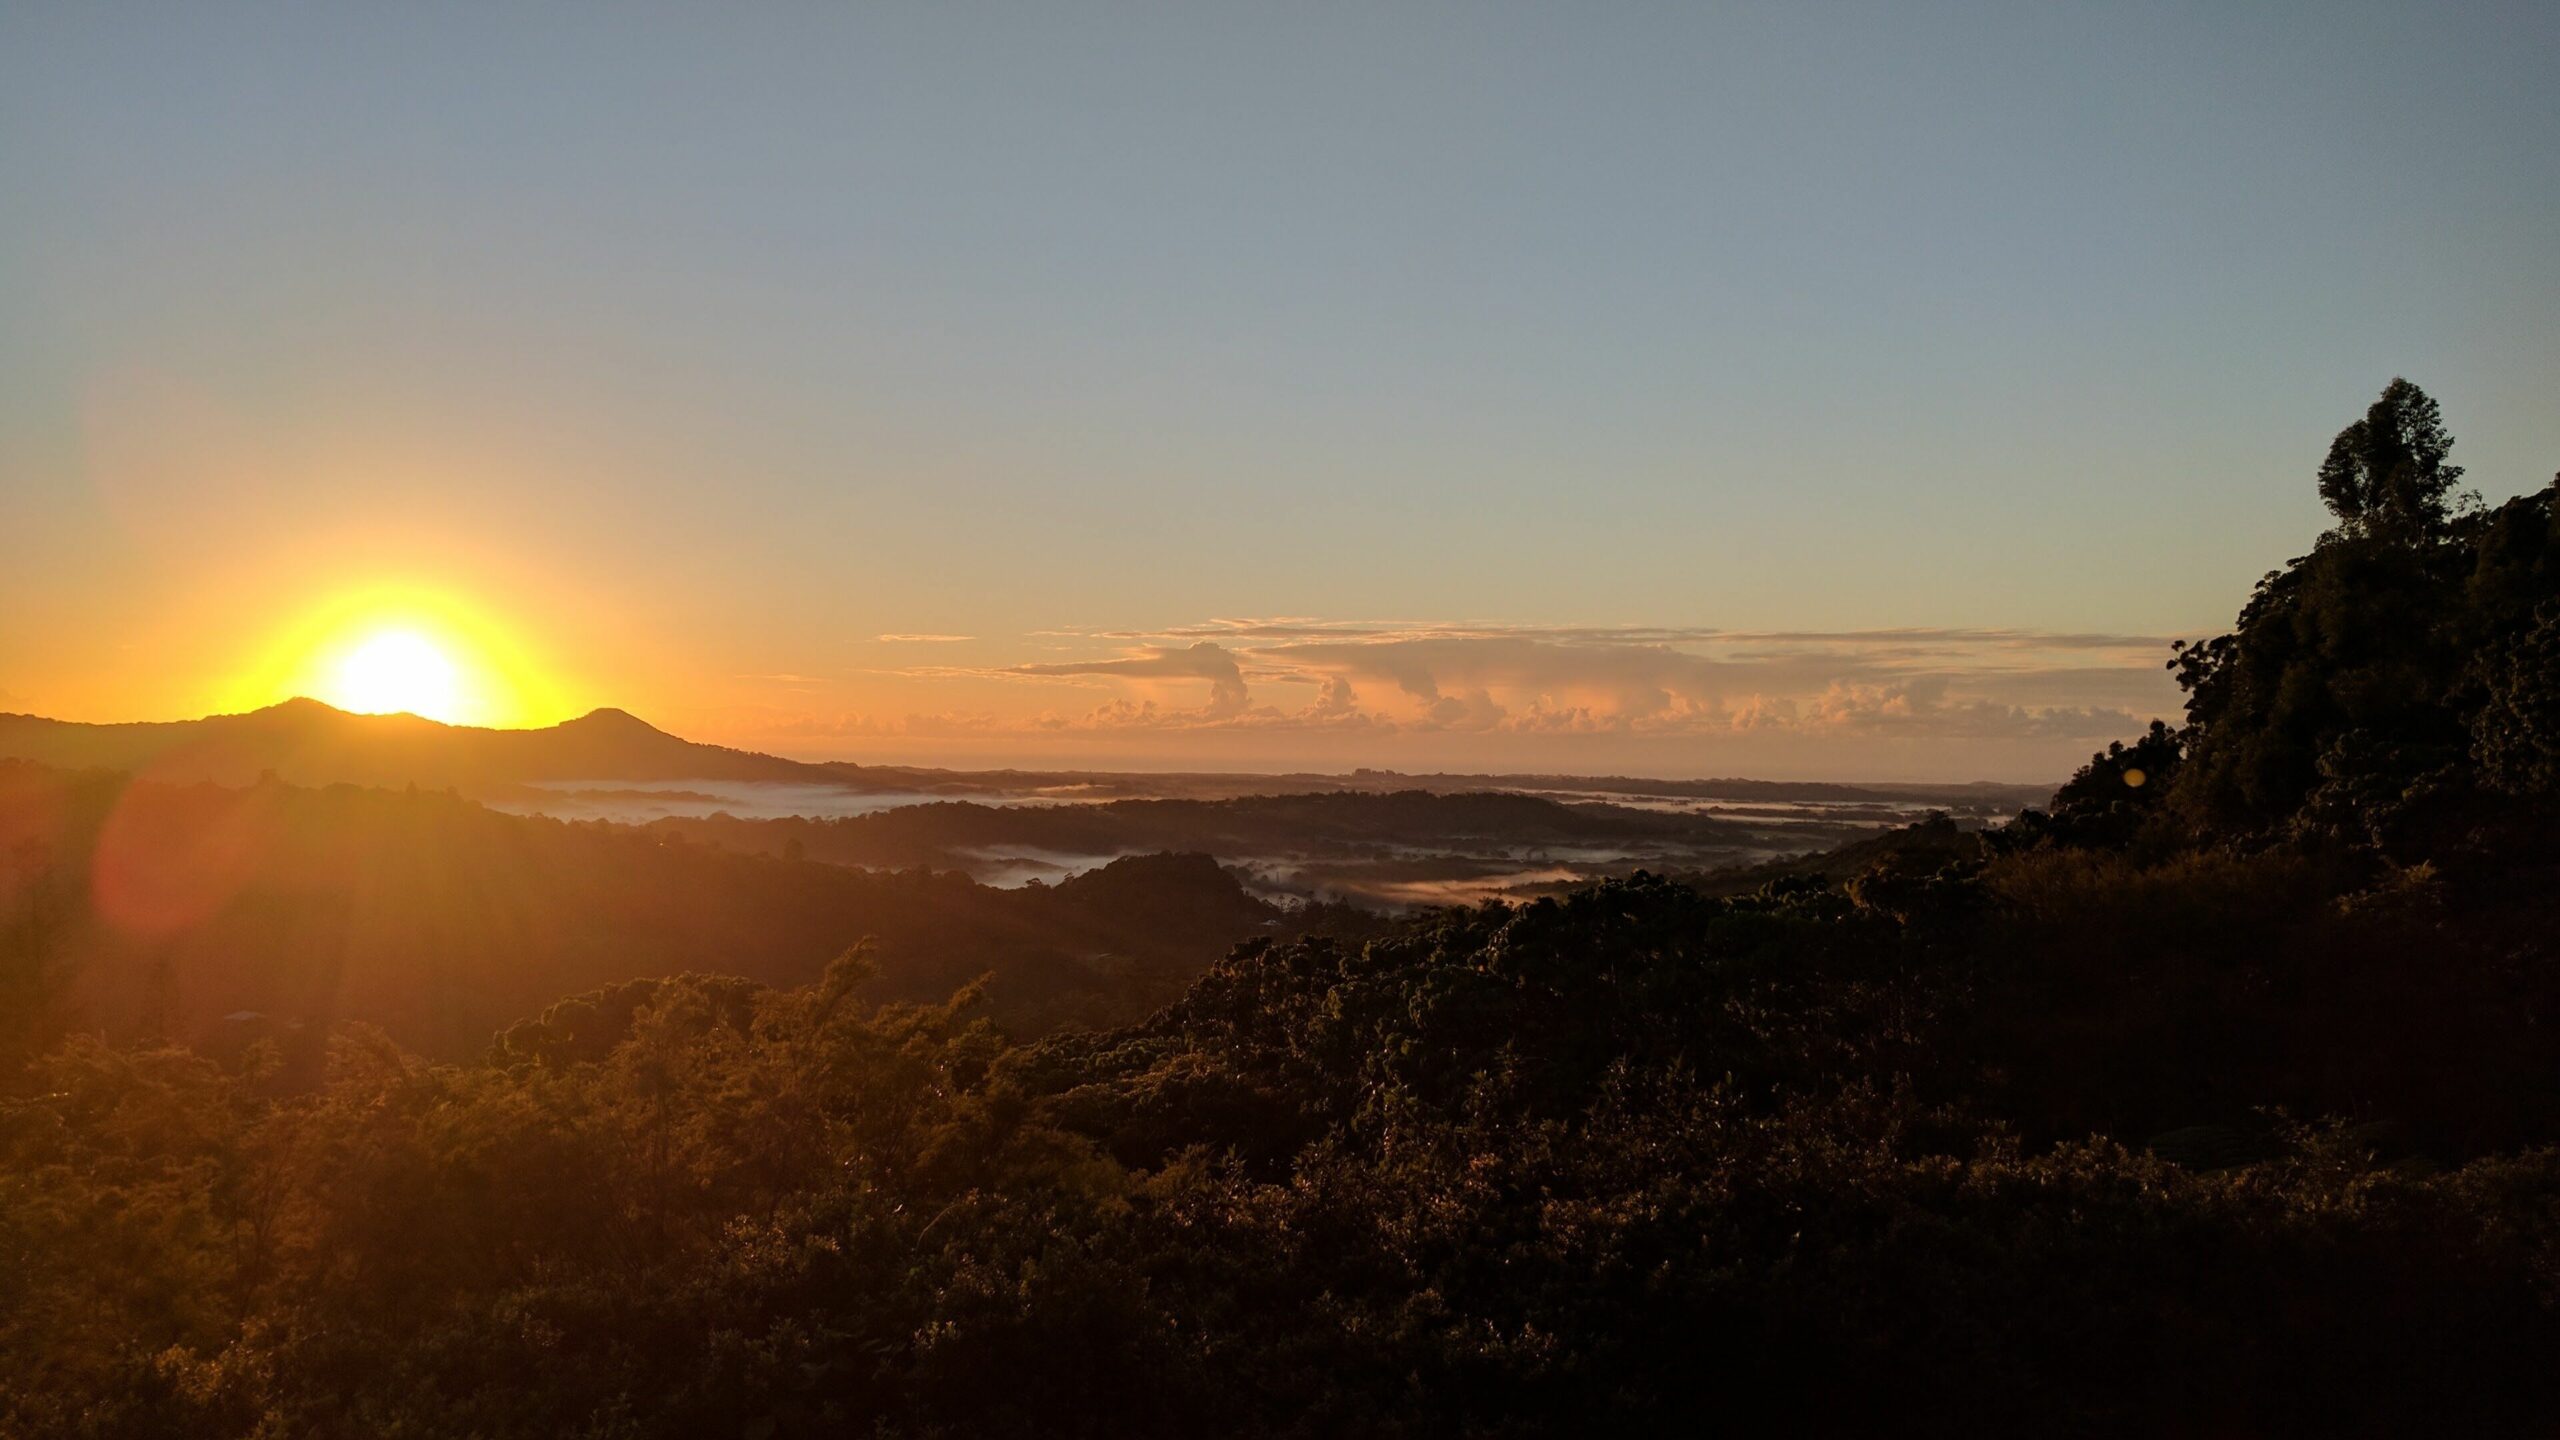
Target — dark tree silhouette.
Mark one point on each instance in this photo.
(2386, 474)
(2348, 698)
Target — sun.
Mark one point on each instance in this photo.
(392, 671)
(387, 646)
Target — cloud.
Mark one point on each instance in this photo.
(1629, 679)
(848, 724)
(1293, 628)
(922, 639)
(1925, 706)
(1923, 683)
(1205, 660)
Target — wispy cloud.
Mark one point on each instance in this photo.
(898, 639)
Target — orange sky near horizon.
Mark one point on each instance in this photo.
(204, 569)
(531, 644)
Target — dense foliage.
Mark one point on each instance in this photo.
(2392, 688)
(2216, 1098)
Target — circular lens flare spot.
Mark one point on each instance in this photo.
(394, 671)
(2135, 778)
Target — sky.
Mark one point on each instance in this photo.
(1787, 390)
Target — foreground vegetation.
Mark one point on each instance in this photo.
(2219, 1097)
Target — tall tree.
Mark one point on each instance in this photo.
(2386, 475)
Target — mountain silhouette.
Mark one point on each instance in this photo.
(307, 742)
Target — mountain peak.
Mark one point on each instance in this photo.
(310, 742)
(299, 713)
(305, 712)
(606, 718)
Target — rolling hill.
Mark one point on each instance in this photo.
(307, 742)
(143, 909)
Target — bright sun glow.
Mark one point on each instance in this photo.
(389, 647)
(397, 670)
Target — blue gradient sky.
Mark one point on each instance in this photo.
(710, 344)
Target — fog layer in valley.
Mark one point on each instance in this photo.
(1390, 841)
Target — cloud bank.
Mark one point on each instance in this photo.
(1310, 674)
(1286, 692)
